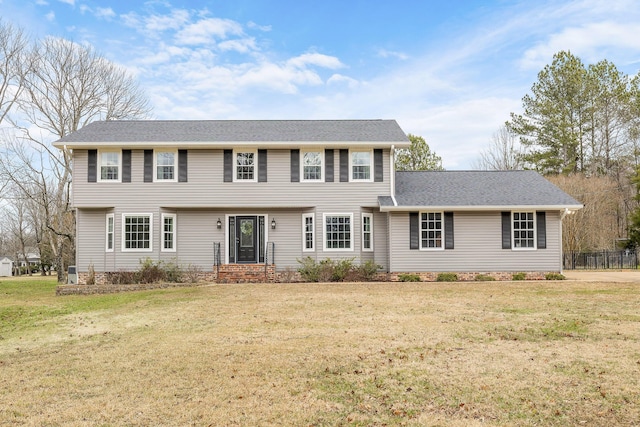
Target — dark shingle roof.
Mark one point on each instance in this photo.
(185, 131)
(477, 189)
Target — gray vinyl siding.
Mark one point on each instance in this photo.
(199, 203)
(478, 247)
(205, 187)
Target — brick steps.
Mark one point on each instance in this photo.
(246, 273)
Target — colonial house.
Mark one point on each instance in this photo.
(254, 196)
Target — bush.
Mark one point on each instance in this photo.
(519, 276)
(150, 272)
(329, 270)
(122, 277)
(447, 277)
(408, 277)
(554, 276)
(367, 271)
(484, 278)
(91, 275)
(172, 271)
(309, 269)
(192, 273)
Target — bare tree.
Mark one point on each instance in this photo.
(14, 63)
(68, 86)
(504, 152)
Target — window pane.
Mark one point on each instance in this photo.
(431, 229)
(361, 165)
(165, 164)
(245, 163)
(338, 232)
(523, 230)
(137, 232)
(109, 166)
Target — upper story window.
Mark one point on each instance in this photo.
(431, 230)
(245, 166)
(361, 165)
(110, 165)
(165, 165)
(312, 166)
(524, 230)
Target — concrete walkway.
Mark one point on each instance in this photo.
(603, 276)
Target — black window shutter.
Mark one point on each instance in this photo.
(541, 228)
(506, 230)
(262, 165)
(344, 165)
(295, 165)
(414, 231)
(328, 165)
(378, 173)
(228, 165)
(92, 166)
(182, 166)
(148, 165)
(126, 165)
(448, 230)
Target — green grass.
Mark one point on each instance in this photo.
(30, 304)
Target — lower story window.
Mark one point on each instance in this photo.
(136, 232)
(524, 230)
(308, 232)
(367, 232)
(431, 230)
(337, 232)
(168, 232)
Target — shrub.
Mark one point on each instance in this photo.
(122, 277)
(408, 277)
(309, 269)
(341, 269)
(192, 273)
(368, 271)
(484, 278)
(172, 271)
(519, 276)
(150, 272)
(554, 276)
(91, 275)
(447, 277)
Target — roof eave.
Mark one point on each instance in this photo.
(472, 208)
(226, 144)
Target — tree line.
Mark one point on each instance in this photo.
(580, 127)
(49, 88)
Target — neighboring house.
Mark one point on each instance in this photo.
(276, 191)
(6, 266)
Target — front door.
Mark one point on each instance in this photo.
(246, 238)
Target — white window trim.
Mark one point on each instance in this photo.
(370, 216)
(304, 233)
(322, 165)
(155, 165)
(442, 229)
(173, 233)
(371, 171)
(124, 216)
(99, 166)
(255, 164)
(113, 233)
(324, 232)
(535, 233)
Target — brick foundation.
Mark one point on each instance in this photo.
(256, 273)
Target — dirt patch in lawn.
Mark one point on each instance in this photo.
(491, 353)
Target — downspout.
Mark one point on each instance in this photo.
(562, 215)
(392, 180)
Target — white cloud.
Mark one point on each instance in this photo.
(384, 53)
(317, 59)
(50, 16)
(586, 41)
(105, 12)
(69, 2)
(239, 45)
(206, 31)
(255, 26)
(339, 79)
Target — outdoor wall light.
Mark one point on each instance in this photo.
(273, 224)
(219, 224)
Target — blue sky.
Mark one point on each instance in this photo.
(450, 71)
